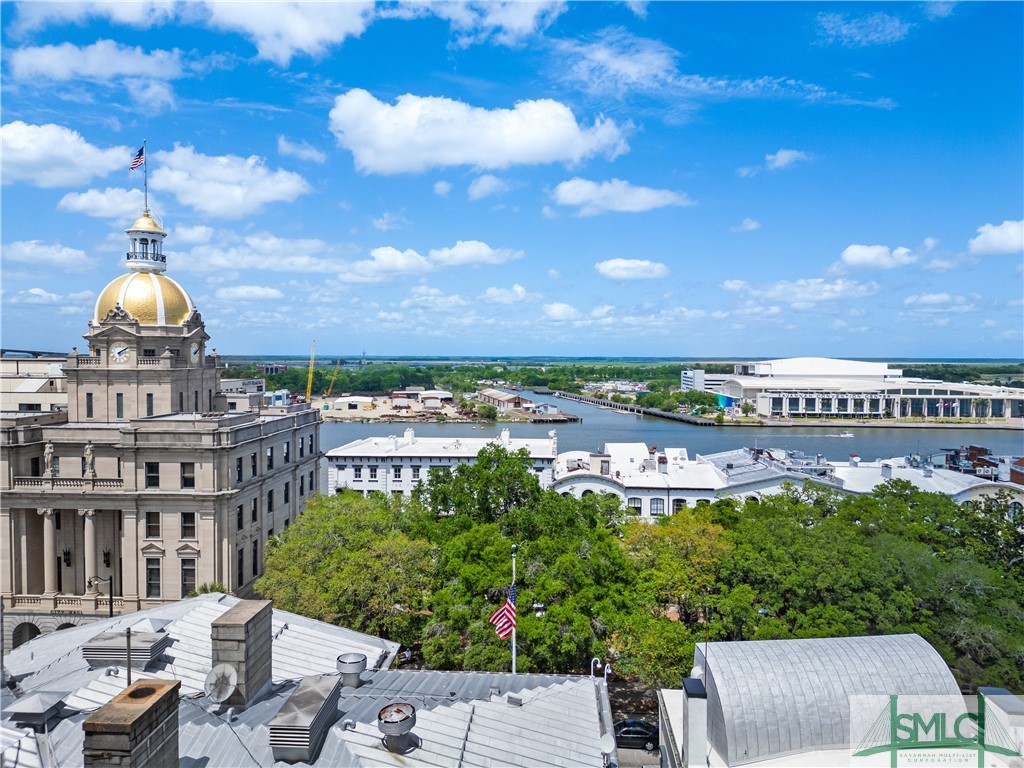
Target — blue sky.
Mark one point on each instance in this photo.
(622, 179)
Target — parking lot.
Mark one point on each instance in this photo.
(637, 758)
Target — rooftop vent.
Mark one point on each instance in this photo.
(514, 701)
(108, 648)
(350, 666)
(34, 710)
(298, 729)
(396, 722)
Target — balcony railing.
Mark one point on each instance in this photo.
(158, 258)
(97, 603)
(68, 482)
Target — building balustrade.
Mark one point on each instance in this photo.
(107, 483)
(96, 603)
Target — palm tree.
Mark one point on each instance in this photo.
(980, 405)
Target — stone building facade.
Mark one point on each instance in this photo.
(147, 486)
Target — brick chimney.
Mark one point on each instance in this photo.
(138, 728)
(241, 637)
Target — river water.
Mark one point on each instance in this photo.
(602, 425)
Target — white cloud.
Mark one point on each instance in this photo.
(560, 311)
(602, 311)
(42, 296)
(281, 30)
(260, 251)
(617, 61)
(472, 252)
(485, 186)
(427, 297)
(506, 23)
(511, 295)
(248, 293)
(876, 257)
(384, 264)
(998, 239)
(388, 221)
(806, 292)
(747, 225)
(937, 304)
(300, 150)
(784, 158)
(186, 235)
(109, 203)
(775, 161)
(631, 269)
(225, 186)
(152, 94)
(417, 133)
(553, 274)
(873, 29)
(53, 156)
(32, 16)
(41, 254)
(592, 198)
(442, 188)
(936, 9)
(104, 60)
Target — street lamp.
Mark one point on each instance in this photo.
(93, 581)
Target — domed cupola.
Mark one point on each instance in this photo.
(145, 293)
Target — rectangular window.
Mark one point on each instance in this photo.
(398, 472)
(152, 474)
(119, 405)
(195, 401)
(181, 402)
(287, 492)
(88, 405)
(241, 568)
(252, 464)
(657, 507)
(633, 504)
(254, 507)
(270, 502)
(239, 517)
(149, 353)
(286, 450)
(152, 577)
(415, 473)
(35, 471)
(373, 474)
(302, 447)
(118, 467)
(238, 469)
(302, 483)
(188, 474)
(188, 525)
(256, 558)
(188, 577)
(209, 399)
(311, 483)
(152, 524)
(270, 458)
(310, 445)
(357, 473)
(56, 518)
(149, 403)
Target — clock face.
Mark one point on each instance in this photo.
(119, 352)
(193, 352)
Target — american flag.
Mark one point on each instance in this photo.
(139, 159)
(504, 619)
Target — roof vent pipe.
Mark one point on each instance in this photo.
(396, 722)
(350, 666)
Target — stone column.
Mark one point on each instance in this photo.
(49, 552)
(7, 556)
(130, 560)
(89, 516)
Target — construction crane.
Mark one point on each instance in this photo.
(334, 375)
(309, 378)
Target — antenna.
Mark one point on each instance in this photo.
(220, 682)
(607, 744)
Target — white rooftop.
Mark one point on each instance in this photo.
(411, 446)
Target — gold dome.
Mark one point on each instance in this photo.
(150, 297)
(146, 223)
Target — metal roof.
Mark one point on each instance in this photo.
(769, 698)
(463, 718)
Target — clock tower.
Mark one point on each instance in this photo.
(147, 352)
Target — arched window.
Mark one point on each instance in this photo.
(1013, 512)
(633, 504)
(657, 507)
(678, 505)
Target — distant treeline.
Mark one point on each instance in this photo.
(659, 377)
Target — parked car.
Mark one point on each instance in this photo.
(636, 734)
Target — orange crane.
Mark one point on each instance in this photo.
(309, 377)
(334, 375)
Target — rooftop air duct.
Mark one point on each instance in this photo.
(350, 666)
(298, 729)
(396, 722)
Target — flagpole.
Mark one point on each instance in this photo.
(145, 173)
(514, 548)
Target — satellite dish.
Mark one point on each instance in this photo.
(607, 744)
(220, 682)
